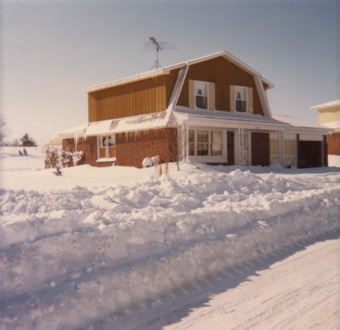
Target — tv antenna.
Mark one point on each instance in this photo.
(158, 47)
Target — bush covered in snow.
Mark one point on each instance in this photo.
(56, 157)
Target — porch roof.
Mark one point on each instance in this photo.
(302, 125)
(120, 125)
(228, 116)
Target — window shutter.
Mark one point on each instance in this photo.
(232, 98)
(212, 96)
(250, 101)
(191, 94)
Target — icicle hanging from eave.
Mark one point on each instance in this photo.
(77, 135)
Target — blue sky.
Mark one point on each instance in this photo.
(53, 49)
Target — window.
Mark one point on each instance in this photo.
(241, 99)
(191, 142)
(107, 146)
(202, 143)
(205, 143)
(216, 143)
(201, 95)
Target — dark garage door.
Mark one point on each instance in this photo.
(309, 154)
(260, 149)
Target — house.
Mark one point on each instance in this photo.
(212, 110)
(329, 116)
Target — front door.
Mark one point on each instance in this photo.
(260, 149)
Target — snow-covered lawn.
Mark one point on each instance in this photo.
(117, 247)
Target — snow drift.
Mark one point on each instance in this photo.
(95, 254)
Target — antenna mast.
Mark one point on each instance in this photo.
(156, 65)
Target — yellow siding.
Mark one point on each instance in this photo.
(329, 115)
(141, 97)
(289, 147)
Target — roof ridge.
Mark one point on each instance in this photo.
(166, 70)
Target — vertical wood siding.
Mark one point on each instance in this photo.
(136, 98)
(224, 74)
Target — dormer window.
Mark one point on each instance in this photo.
(241, 99)
(201, 95)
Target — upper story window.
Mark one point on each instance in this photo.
(241, 99)
(201, 95)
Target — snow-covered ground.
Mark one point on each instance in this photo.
(300, 292)
(124, 248)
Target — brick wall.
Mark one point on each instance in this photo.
(132, 148)
(88, 146)
(333, 142)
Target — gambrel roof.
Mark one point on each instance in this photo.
(166, 70)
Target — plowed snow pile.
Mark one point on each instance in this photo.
(100, 246)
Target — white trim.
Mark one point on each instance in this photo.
(178, 87)
(223, 158)
(103, 160)
(263, 96)
(206, 87)
(241, 89)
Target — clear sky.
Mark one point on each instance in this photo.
(52, 49)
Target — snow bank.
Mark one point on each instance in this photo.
(94, 254)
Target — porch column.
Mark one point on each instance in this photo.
(240, 145)
(185, 142)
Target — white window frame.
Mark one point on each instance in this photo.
(199, 85)
(102, 143)
(193, 144)
(243, 92)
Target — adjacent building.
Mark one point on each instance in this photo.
(329, 116)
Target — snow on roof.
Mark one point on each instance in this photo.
(120, 125)
(296, 121)
(166, 70)
(327, 105)
(236, 116)
(71, 132)
(97, 128)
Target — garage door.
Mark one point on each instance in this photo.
(309, 154)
